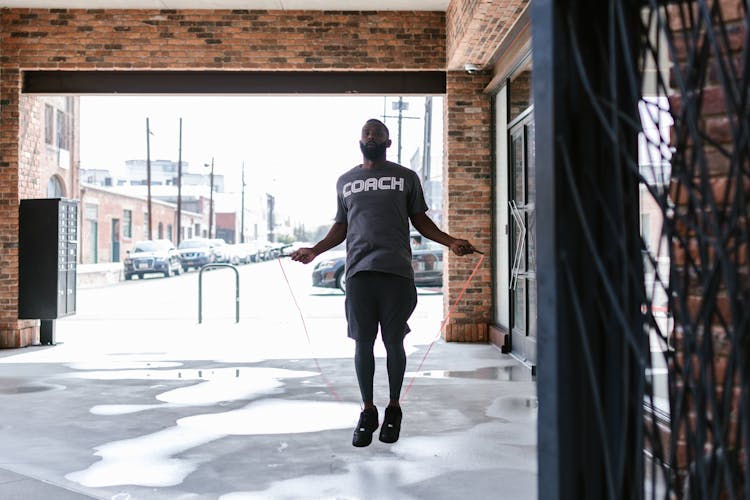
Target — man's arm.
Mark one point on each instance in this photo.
(428, 229)
(335, 235)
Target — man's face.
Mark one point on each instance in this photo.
(374, 141)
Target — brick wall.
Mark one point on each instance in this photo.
(476, 28)
(467, 203)
(12, 331)
(201, 39)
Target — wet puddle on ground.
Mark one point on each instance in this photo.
(505, 373)
(19, 387)
(215, 385)
(150, 460)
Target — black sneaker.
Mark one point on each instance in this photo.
(391, 424)
(368, 422)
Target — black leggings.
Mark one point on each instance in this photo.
(364, 364)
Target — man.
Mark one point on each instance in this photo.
(376, 201)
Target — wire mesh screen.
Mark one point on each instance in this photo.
(694, 160)
(676, 76)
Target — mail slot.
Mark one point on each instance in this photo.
(47, 250)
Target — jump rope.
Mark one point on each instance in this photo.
(328, 384)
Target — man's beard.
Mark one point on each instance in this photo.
(372, 150)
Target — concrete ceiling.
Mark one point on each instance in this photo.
(431, 5)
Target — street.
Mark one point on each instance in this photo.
(164, 311)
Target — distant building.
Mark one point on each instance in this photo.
(48, 148)
(195, 198)
(111, 223)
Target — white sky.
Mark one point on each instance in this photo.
(294, 147)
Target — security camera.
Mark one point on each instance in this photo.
(471, 68)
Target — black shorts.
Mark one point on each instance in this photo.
(384, 299)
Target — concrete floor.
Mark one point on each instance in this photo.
(171, 409)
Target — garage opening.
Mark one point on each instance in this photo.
(176, 170)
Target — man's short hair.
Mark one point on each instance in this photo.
(375, 121)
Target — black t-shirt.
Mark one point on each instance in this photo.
(376, 205)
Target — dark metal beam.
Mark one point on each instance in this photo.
(234, 82)
(548, 380)
(591, 349)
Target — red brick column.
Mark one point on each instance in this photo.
(467, 202)
(13, 333)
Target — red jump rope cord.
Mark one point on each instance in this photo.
(307, 334)
(429, 348)
(442, 325)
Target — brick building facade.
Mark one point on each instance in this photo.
(112, 222)
(47, 143)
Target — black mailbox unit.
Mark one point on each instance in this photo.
(47, 252)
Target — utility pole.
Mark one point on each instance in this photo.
(400, 106)
(426, 158)
(242, 214)
(427, 140)
(179, 188)
(211, 203)
(148, 175)
(400, 119)
(271, 203)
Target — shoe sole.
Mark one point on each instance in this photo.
(387, 439)
(362, 444)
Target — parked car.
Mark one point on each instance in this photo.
(289, 248)
(235, 254)
(426, 260)
(195, 252)
(329, 272)
(152, 256)
(250, 252)
(220, 250)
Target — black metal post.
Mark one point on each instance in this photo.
(549, 382)
(591, 366)
(236, 289)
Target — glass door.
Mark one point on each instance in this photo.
(521, 205)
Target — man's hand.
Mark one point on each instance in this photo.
(462, 247)
(304, 255)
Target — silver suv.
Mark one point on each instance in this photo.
(196, 252)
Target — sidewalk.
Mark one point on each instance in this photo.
(92, 275)
(150, 409)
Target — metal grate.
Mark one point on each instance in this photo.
(656, 95)
(694, 74)
(706, 222)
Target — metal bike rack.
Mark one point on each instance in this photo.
(236, 290)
